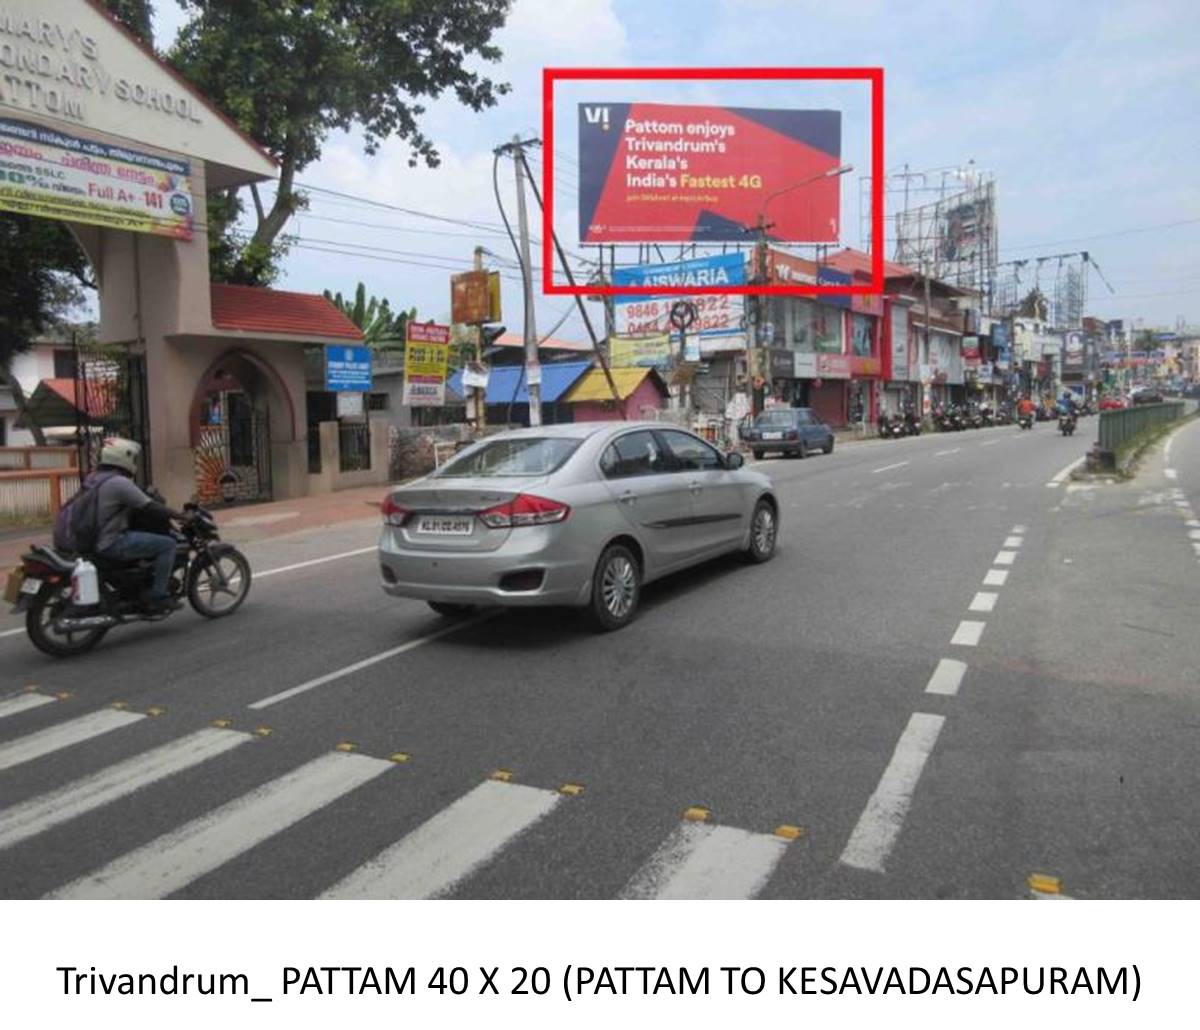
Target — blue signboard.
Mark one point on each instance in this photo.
(1001, 344)
(718, 315)
(832, 277)
(347, 369)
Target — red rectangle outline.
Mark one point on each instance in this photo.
(872, 75)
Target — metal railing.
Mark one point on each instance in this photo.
(35, 495)
(25, 458)
(1121, 427)
(354, 446)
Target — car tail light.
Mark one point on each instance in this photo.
(393, 514)
(524, 510)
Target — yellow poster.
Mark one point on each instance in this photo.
(426, 363)
(639, 351)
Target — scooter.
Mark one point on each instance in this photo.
(1025, 421)
(1066, 424)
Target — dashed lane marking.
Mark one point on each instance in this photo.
(1013, 541)
(451, 845)
(942, 454)
(704, 861)
(23, 703)
(1170, 473)
(887, 468)
(968, 633)
(995, 578)
(1004, 558)
(983, 601)
(81, 796)
(177, 858)
(1018, 529)
(366, 663)
(74, 731)
(947, 677)
(881, 821)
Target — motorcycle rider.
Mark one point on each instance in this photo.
(119, 499)
(1025, 407)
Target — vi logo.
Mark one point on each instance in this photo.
(596, 116)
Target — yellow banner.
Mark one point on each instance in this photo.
(639, 351)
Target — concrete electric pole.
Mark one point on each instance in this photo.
(533, 369)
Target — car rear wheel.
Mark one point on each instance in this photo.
(829, 446)
(616, 588)
(764, 528)
(802, 450)
(451, 611)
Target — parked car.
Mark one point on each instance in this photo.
(1150, 395)
(582, 514)
(1111, 403)
(788, 431)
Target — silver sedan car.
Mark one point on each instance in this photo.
(579, 514)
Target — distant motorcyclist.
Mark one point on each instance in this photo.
(119, 500)
(1026, 407)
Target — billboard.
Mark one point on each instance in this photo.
(475, 298)
(426, 359)
(899, 320)
(953, 239)
(720, 318)
(53, 174)
(671, 173)
(1073, 350)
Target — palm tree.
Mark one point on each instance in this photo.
(380, 327)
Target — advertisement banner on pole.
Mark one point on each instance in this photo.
(426, 361)
(719, 317)
(686, 173)
(475, 298)
(51, 174)
(639, 351)
(899, 326)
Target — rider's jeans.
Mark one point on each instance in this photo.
(133, 544)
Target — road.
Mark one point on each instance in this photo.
(960, 670)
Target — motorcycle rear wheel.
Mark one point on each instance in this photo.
(205, 583)
(39, 626)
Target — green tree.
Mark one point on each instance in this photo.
(374, 317)
(292, 71)
(135, 15)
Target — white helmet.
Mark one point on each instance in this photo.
(121, 453)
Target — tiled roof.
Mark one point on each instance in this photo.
(253, 309)
(850, 260)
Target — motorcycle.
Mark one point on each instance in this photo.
(912, 425)
(1025, 421)
(67, 613)
(1003, 417)
(1066, 424)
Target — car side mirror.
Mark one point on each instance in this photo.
(734, 460)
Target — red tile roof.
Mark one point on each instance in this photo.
(99, 398)
(253, 309)
(850, 260)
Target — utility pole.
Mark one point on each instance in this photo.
(762, 306)
(479, 391)
(533, 370)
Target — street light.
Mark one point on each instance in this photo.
(761, 255)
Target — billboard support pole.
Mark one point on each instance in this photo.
(479, 391)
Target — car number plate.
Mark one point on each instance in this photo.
(772, 436)
(31, 586)
(457, 526)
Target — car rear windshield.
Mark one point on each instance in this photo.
(774, 418)
(521, 456)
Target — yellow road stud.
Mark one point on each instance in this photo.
(345, 745)
(400, 757)
(62, 695)
(788, 832)
(156, 710)
(222, 724)
(1044, 884)
(503, 775)
(31, 688)
(696, 814)
(262, 731)
(571, 790)
(120, 705)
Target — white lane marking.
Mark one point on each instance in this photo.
(1004, 558)
(968, 633)
(942, 454)
(314, 561)
(1046, 896)
(177, 858)
(702, 861)
(450, 845)
(1193, 522)
(1061, 474)
(947, 677)
(12, 632)
(47, 741)
(886, 468)
(23, 703)
(882, 819)
(1194, 534)
(1170, 473)
(1013, 541)
(366, 663)
(1018, 529)
(1182, 504)
(48, 810)
(989, 443)
(983, 602)
(995, 578)
(1167, 448)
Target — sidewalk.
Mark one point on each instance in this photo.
(244, 523)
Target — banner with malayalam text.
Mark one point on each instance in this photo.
(50, 174)
(426, 361)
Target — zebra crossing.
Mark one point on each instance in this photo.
(697, 859)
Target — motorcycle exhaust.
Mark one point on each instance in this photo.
(69, 624)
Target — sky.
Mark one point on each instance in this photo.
(1085, 113)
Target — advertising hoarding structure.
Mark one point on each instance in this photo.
(426, 362)
(871, 76)
(53, 174)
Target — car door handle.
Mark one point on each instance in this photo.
(628, 497)
(695, 486)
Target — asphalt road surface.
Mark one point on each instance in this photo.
(961, 669)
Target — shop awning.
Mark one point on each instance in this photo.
(506, 384)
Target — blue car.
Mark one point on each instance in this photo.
(788, 431)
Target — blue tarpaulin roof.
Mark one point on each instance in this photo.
(557, 378)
